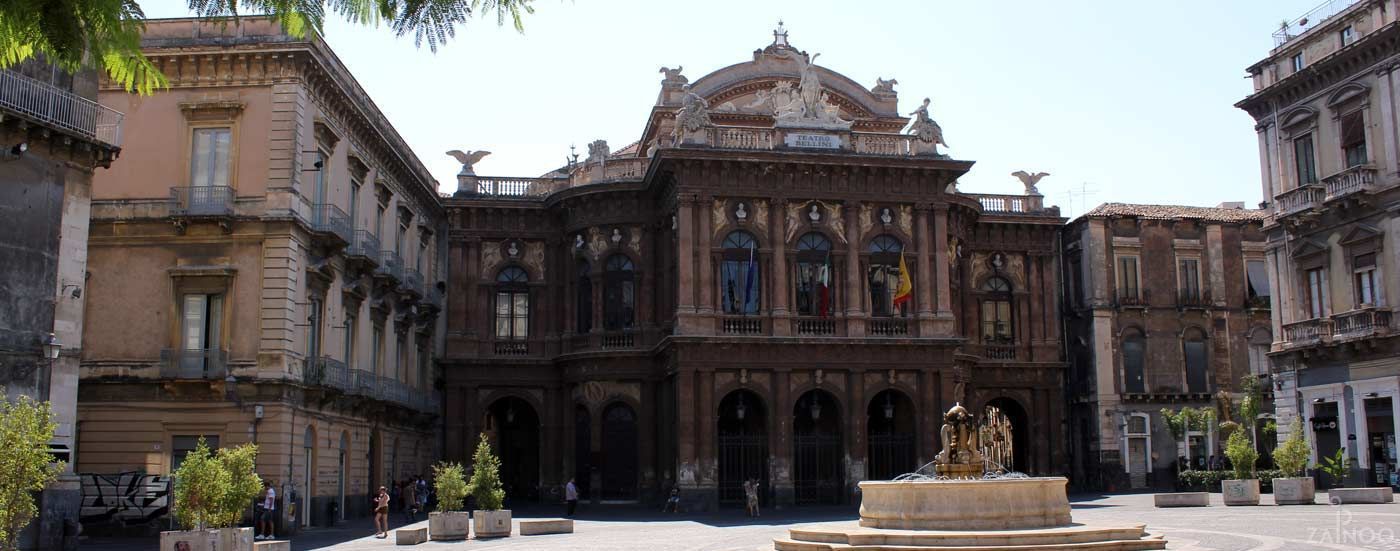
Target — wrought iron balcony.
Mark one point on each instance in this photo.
(1361, 323)
(327, 372)
(412, 282)
(196, 201)
(364, 383)
(1300, 199)
(330, 222)
(1311, 20)
(1133, 297)
(1192, 298)
(1357, 179)
(49, 105)
(390, 265)
(512, 347)
(364, 247)
(179, 363)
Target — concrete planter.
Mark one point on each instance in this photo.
(1240, 492)
(449, 526)
(491, 524)
(1295, 491)
(214, 539)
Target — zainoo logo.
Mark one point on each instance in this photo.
(1343, 532)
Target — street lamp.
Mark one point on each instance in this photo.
(739, 409)
(889, 407)
(52, 347)
(816, 409)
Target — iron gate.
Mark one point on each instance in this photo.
(620, 454)
(891, 455)
(817, 477)
(741, 457)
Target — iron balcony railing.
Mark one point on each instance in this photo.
(412, 281)
(1132, 296)
(364, 246)
(1311, 20)
(328, 219)
(179, 363)
(390, 264)
(327, 372)
(49, 105)
(202, 201)
(364, 383)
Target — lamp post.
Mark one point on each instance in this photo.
(51, 347)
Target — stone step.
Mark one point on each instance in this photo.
(274, 545)
(1147, 543)
(539, 526)
(854, 536)
(1182, 499)
(410, 536)
(1342, 496)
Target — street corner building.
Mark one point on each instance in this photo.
(265, 266)
(1166, 307)
(774, 283)
(1325, 103)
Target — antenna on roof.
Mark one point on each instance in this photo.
(1082, 194)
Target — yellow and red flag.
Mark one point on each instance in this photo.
(905, 291)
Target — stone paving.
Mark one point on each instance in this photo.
(1263, 528)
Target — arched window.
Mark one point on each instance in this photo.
(583, 309)
(815, 295)
(619, 293)
(884, 275)
(1193, 346)
(1134, 354)
(740, 280)
(996, 312)
(512, 304)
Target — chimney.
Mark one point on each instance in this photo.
(1237, 205)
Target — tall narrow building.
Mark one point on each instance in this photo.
(1329, 147)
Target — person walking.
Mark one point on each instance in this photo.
(410, 501)
(381, 513)
(751, 496)
(267, 511)
(571, 497)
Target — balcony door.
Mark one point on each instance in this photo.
(199, 336)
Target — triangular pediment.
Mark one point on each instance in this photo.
(1308, 247)
(1361, 233)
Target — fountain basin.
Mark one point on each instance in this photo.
(996, 504)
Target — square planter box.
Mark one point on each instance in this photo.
(449, 526)
(1295, 491)
(1240, 492)
(214, 539)
(491, 524)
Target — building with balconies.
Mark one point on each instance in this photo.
(1165, 307)
(1325, 103)
(721, 300)
(53, 138)
(258, 273)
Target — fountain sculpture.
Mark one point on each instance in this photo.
(966, 501)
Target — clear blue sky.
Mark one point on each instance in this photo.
(1133, 99)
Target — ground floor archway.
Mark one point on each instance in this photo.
(583, 452)
(619, 476)
(818, 456)
(890, 429)
(517, 429)
(1015, 415)
(743, 445)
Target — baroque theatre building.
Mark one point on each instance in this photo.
(775, 282)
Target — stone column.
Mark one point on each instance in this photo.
(568, 417)
(686, 438)
(856, 437)
(855, 314)
(1387, 126)
(686, 321)
(924, 271)
(944, 302)
(706, 277)
(781, 477)
(469, 283)
(1036, 294)
(705, 406)
(782, 326)
(646, 423)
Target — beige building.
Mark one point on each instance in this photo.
(1325, 102)
(264, 267)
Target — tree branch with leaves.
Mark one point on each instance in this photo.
(26, 467)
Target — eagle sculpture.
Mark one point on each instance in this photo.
(468, 159)
(1029, 180)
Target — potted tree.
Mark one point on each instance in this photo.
(449, 522)
(26, 427)
(1244, 488)
(1294, 488)
(1336, 468)
(489, 519)
(212, 491)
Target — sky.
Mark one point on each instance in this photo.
(1129, 100)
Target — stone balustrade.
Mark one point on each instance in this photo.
(1352, 180)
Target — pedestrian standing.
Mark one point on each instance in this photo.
(571, 497)
(751, 496)
(266, 513)
(381, 513)
(410, 501)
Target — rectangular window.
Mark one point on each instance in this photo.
(377, 350)
(1346, 35)
(996, 322)
(1297, 62)
(1128, 277)
(1364, 280)
(313, 332)
(401, 369)
(1196, 379)
(1316, 279)
(181, 446)
(199, 334)
(512, 314)
(423, 382)
(1257, 279)
(1354, 138)
(350, 328)
(1305, 160)
(379, 221)
(209, 157)
(1189, 277)
(323, 168)
(354, 202)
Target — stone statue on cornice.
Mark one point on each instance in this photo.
(693, 115)
(810, 108)
(926, 130)
(468, 159)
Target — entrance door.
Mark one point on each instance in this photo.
(890, 424)
(583, 453)
(743, 446)
(309, 490)
(340, 475)
(619, 453)
(817, 453)
(517, 429)
(1138, 462)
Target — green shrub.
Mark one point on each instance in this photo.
(26, 427)
(1209, 481)
(212, 490)
(1336, 467)
(1242, 455)
(486, 478)
(451, 486)
(1292, 455)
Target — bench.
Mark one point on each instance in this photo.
(1361, 495)
(535, 527)
(410, 536)
(275, 545)
(1183, 499)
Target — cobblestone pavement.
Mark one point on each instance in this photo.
(1264, 528)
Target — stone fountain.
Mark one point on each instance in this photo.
(963, 501)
